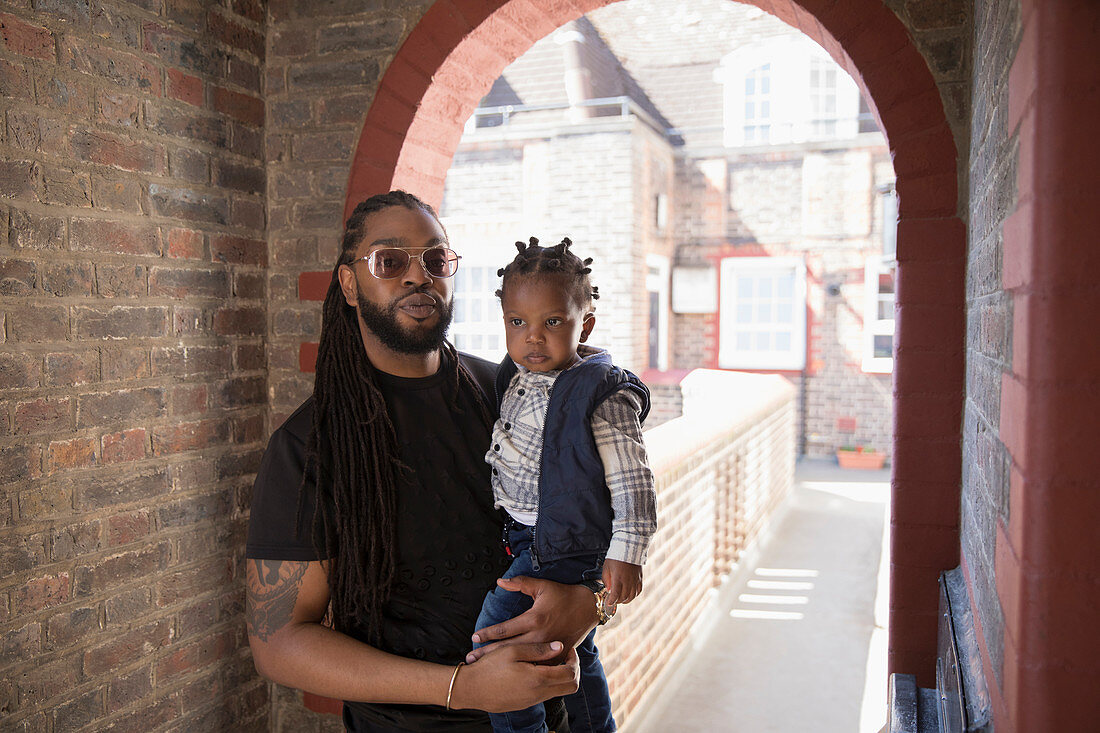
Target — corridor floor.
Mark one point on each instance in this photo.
(797, 639)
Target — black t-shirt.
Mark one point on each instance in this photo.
(449, 553)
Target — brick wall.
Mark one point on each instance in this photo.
(993, 163)
(132, 289)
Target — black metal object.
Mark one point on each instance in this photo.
(960, 701)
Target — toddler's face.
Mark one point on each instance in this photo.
(542, 322)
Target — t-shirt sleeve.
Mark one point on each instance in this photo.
(275, 529)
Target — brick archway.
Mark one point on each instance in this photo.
(459, 47)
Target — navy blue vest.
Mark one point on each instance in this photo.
(574, 516)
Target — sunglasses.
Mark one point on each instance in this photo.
(391, 262)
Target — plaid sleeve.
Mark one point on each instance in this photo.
(618, 434)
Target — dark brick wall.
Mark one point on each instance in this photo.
(132, 260)
(993, 161)
(323, 65)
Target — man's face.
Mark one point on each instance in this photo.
(408, 314)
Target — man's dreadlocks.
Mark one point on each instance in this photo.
(556, 260)
(352, 447)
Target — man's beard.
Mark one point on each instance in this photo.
(382, 322)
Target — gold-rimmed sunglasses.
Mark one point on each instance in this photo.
(392, 262)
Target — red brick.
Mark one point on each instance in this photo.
(26, 39)
(188, 399)
(116, 570)
(124, 69)
(43, 415)
(185, 244)
(128, 487)
(185, 87)
(188, 123)
(145, 403)
(193, 581)
(127, 689)
(122, 650)
(68, 278)
(314, 285)
(240, 321)
(179, 49)
(125, 363)
(175, 439)
(239, 106)
(121, 281)
(38, 594)
(128, 445)
(122, 529)
(115, 237)
(235, 34)
(307, 357)
(100, 147)
(68, 454)
(19, 371)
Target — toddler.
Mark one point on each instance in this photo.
(569, 466)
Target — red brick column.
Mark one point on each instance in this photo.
(1046, 569)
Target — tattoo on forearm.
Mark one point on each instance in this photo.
(272, 593)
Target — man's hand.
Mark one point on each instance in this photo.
(563, 613)
(516, 677)
(623, 581)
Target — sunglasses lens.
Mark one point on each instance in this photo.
(387, 263)
(440, 262)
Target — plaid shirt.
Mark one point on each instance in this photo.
(617, 431)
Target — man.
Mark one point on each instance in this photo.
(374, 496)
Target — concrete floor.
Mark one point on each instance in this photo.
(796, 640)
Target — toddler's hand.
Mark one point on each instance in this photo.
(623, 581)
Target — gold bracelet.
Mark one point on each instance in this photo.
(451, 687)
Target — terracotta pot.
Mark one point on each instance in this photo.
(867, 460)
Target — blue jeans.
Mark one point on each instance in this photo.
(589, 707)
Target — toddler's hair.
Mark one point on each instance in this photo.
(557, 260)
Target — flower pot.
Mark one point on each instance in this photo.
(870, 460)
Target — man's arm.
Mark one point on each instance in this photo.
(286, 603)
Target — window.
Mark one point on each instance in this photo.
(657, 290)
(758, 105)
(786, 90)
(880, 274)
(762, 313)
(477, 327)
(823, 98)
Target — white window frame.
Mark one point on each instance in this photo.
(729, 357)
(657, 281)
(872, 324)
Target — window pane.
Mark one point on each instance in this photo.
(744, 287)
(785, 286)
(763, 341)
(884, 346)
(764, 313)
(765, 84)
(750, 84)
(750, 110)
(744, 313)
(764, 289)
(782, 342)
(765, 109)
(744, 341)
(784, 313)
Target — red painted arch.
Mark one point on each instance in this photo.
(448, 63)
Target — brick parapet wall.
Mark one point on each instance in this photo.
(722, 468)
(131, 361)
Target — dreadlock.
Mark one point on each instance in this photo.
(358, 450)
(556, 260)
